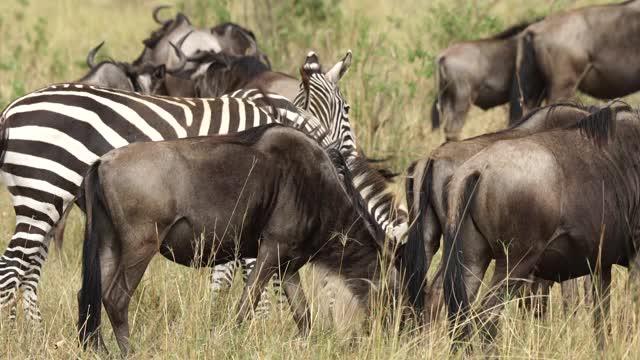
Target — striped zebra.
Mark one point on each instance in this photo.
(323, 100)
(51, 136)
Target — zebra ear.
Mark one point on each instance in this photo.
(311, 64)
(338, 70)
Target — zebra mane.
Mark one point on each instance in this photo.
(368, 177)
(349, 185)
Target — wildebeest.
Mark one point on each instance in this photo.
(270, 192)
(228, 38)
(592, 49)
(558, 204)
(428, 180)
(216, 74)
(478, 72)
(146, 79)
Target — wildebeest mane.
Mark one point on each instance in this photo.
(220, 29)
(514, 30)
(356, 198)
(551, 108)
(600, 125)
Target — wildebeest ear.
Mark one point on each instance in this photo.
(217, 65)
(338, 70)
(159, 72)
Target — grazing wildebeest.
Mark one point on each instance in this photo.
(147, 79)
(217, 73)
(591, 49)
(270, 192)
(478, 72)
(54, 134)
(428, 179)
(558, 204)
(228, 38)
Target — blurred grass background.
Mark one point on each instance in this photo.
(390, 87)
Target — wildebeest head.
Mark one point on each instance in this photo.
(227, 37)
(157, 49)
(145, 79)
(215, 74)
(319, 94)
(239, 41)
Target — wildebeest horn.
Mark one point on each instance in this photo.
(156, 10)
(92, 55)
(182, 58)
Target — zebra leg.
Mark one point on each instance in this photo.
(21, 264)
(222, 277)
(278, 291)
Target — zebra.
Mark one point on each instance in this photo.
(324, 101)
(51, 136)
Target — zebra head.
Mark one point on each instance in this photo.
(319, 95)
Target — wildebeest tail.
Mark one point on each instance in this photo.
(414, 256)
(435, 115)
(440, 87)
(455, 292)
(529, 83)
(90, 296)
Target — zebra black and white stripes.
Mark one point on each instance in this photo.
(321, 97)
(52, 136)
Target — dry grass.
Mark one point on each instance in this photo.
(389, 88)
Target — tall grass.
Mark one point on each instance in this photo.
(389, 87)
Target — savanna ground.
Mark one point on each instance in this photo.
(390, 89)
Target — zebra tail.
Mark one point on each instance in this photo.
(414, 255)
(90, 296)
(4, 138)
(455, 291)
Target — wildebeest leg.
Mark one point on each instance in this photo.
(266, 265)
(536, 297)
(504, 283)
(58, 233)
(564, 83)
(478, 251)
(434, 299)
(455, 107)
(587, 285)
(122, 282)
(298, 302)
(600, 286)
(570, 296)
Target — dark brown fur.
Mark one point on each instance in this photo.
(478, 72)
(580, 187)
(216, 74)
(591, 49)
(429, 177)
(270, 193)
